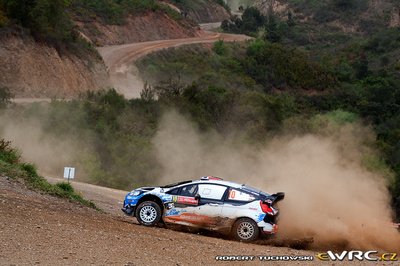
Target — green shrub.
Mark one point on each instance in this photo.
(3, 18)
(10, 165)
(30, 170)
(67, 187)
(341, 117)
(376, 164)
(219, 47)
(7, 153)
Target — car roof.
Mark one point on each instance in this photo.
(215, 180)
(219, 182)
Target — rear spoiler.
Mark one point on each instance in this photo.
(275, 197)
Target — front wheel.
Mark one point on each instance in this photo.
(245, 230)
(148, 213)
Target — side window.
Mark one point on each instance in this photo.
(215, 192)
(238, 195)
(189, 191)
(173, 191)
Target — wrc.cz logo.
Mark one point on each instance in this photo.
(352, 255)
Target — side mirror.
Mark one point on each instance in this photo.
(197, 197)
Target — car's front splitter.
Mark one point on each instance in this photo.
(128, 210)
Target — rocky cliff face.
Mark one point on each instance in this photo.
(139, 28)
(30, 69)
(211, 12)
(395, 17)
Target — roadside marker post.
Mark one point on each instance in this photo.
(69, 173)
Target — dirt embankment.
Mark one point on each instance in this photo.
(32, 69)
(138, 28)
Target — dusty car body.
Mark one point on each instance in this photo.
(209, 203)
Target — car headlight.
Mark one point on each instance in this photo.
(135, 193)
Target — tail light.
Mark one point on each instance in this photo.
(266, 208)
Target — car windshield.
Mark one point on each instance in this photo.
(176, 184)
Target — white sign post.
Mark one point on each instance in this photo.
(69, 173)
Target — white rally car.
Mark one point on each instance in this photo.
(209, 203)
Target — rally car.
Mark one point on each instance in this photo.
(208, 203)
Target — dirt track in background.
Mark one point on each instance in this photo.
(44, 230)
(119, 58)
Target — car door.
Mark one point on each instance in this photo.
(183, 200)
(201, 209)
(210, 205)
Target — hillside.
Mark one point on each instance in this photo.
(364, 16)
(148, 26)
(47, 48)
(32, 69)
(109, 23)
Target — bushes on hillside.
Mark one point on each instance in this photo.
(115, 11)
(3, 17)
(7, 153)
(253, 21)
(276, 66)
(47, 19)
(12, 167)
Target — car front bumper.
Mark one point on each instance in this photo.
(129, 210)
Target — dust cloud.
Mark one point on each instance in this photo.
(330, 195)
(50, 153)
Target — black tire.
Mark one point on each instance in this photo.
(148, 213)
(245, 230)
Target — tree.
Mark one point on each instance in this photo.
(290, 20)
(148, 93)
(343, 5)
(49, 19)
(361, 67)
(252, 19)
(219, 47)
(272, 29)
(3, 16)
(19, 10)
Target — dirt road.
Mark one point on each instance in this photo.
(45, 230)
(108, 199)
(119, 58)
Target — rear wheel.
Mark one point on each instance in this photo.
(245, 230)
(148, 213)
